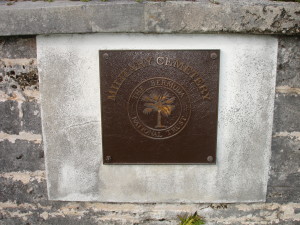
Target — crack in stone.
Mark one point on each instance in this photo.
(82, 124)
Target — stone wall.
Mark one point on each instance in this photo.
(23, 195)
(284, 181)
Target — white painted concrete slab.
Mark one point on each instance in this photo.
(69, 70)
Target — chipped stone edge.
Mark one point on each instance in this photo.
(288, 90)
(25, 176)
(292, 135)
(257, 17)
(226, 214)
(36, 138)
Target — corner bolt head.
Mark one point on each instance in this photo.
(105, 56)
(210, 158)
(108, 158)
(213, 55)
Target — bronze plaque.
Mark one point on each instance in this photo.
(159, 106)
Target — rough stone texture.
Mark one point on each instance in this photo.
(284, 180)
(283, 194)
(32, 117)
(288, 71)
(24, 201)
(285, 162)
(21, 155)
(73, 137)
(18, 73)
(23, 187)
(286, 113)
(23, 195)
(37, 210)
(9, 117)
(24, 47)
(19, 95)
(202, 16)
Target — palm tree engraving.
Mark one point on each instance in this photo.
(160, 103)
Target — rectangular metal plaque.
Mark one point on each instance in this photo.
(159, 106)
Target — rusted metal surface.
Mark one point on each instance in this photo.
(159, 106)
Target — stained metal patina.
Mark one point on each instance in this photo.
(159, 106)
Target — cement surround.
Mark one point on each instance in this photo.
(70, 95)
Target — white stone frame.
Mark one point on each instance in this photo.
(70, 92)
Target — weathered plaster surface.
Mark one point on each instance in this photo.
(23, 196)
(201, 16)
(69, 70)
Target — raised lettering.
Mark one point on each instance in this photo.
(112, 96)
(160, 60)
(178, 64)
(168, 62)
(198, 81)
(148, 60)
(206, 96)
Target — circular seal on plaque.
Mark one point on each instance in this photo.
(159, 108)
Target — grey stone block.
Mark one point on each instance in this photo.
(31, 117)
(283, 194)
(202, 16)
(19, 192)
(21, 155)
(17, 47)
(70, 17)
(11, 221)
(9, 117)
(285, 163)
(286, 113)
(288, 71)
